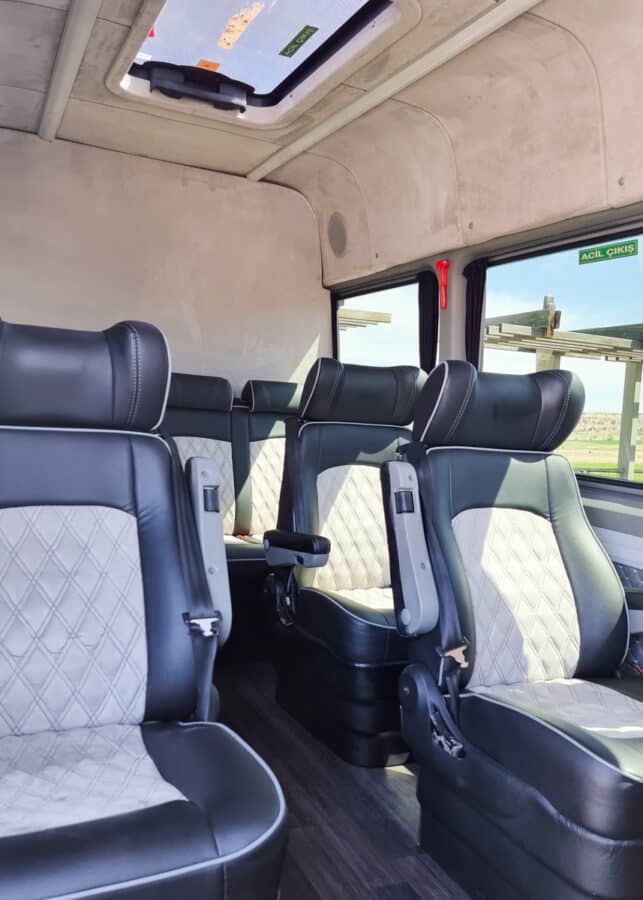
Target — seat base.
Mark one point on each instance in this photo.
(501, 840)
(353, 709)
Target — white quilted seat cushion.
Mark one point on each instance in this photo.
(595, 708)
(266, 474)
(73, 650)
(526, 622)
(351, 514)
(59, 778)
(371, 598)
(220, 452)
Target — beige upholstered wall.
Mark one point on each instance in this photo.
(230, 269)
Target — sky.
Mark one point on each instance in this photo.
(588, 296)
(188, 31)
(384, 345)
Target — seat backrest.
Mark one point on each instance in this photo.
(93, 587)
(270, 405)
(199, 418)
(535, 594)
(352, 419)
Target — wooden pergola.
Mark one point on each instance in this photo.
(539, 332)
(356, 318)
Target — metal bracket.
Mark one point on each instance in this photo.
(207, 626)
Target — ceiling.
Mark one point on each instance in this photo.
(538, 122)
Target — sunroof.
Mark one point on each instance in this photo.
(262, 43)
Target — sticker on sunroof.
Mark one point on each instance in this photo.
(209, 65)
(299, 40)
(237, 25)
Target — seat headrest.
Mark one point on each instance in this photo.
(460, 406)
(59, 378)
(281, 397)
(200, 392)
(334, 392)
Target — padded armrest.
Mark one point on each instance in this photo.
(292, 548)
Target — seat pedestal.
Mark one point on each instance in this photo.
(352, 708)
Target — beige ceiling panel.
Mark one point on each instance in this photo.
(439, 19)
(342, 216)
(612, 34)
(523, 111)
(402, 160)
(20, 109)
(122, 11)
(158, 138)
(52, 4)
(29, 38)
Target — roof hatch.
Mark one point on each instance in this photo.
(254, 55)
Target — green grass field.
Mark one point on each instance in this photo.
(599, 458)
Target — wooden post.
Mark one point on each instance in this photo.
(629, 421)
(547, 359)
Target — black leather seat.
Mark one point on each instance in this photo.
(106, 786)
(531, 781)
(246, 439)
(339, 662)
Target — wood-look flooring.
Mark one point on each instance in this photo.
(352, 831)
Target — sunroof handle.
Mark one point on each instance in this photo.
(180, 81)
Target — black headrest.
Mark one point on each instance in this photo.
(282, 397)
(59, 378)
(200, 392)
(460, 406)
(335, 392)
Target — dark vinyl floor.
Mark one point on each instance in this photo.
(352, 831)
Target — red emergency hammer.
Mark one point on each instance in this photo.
(442, 265)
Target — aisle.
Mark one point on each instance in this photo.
(352, 831)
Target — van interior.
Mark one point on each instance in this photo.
(321, 507)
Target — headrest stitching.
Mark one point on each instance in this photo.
(540, 414)
(139, 366)
(312, 390)
(133, 372)
(465, 402)
(563, 409)
(434, 412)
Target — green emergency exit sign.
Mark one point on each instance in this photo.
(299, 40)
(608, 251)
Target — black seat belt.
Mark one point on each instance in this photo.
(202, 620)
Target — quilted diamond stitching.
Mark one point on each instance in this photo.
(351, 514)
(266, 473)
(526, 623)
(593, 707)
(53, 779)
(73, 650)
(220, 452)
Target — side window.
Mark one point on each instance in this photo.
(582, 310)
(380, 328)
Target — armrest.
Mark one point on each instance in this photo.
(292, 548)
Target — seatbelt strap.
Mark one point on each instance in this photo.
(204, 632)
(201, 620)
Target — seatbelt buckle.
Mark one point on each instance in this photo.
(452, 660)
(206, 626)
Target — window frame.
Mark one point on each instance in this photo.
(573, 242)
(428, 308)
